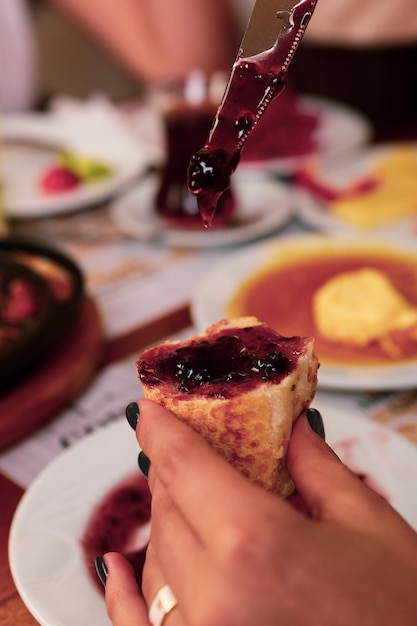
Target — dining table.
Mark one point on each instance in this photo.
(140, 293)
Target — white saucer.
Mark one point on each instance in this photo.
(264, 206)
(44, 547)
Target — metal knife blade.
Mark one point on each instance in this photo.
(270, 19)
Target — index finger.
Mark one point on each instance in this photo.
(207, 490)
(124, 602)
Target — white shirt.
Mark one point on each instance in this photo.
(18, 57)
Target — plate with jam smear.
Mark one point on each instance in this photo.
(50, 560)
(52, 519)
(373, 193)
(263, 206)
(357, 297)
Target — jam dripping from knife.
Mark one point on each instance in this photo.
(254, 82)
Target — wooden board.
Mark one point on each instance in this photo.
(56, 381)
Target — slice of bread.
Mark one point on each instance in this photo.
(241, 385)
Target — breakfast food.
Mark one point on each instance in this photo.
(390, 194)
(356, 297)
(359, 290)
(69, 171)
(383, 190)
(363, 306)
(241, 386)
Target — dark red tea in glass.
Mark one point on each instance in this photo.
(187, 113)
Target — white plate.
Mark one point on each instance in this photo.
(44, 546)
(340, 130)
(46, 559)
(386, 459)
(22, 167)
(263, 206)
(212, 297)
(315, 212)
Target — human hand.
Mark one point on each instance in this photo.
(235, 554)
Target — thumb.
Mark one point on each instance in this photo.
(328, 489)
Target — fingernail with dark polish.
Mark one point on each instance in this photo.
(101, 569)
(132, 414)
(144, 463)
(316, 422)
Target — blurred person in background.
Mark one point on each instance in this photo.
(361, 54)
(120, 48)
(159, 40)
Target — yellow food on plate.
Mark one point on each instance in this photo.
(393, 197)
(361, 306)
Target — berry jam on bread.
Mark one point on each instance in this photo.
(241, 386)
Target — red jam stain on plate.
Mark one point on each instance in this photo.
(346, 451)
(281, 295)
(119, 523)
(307, 178)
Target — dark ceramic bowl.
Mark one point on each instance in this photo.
(41, 292)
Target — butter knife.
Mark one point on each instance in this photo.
(271, 22)
(272, 36)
